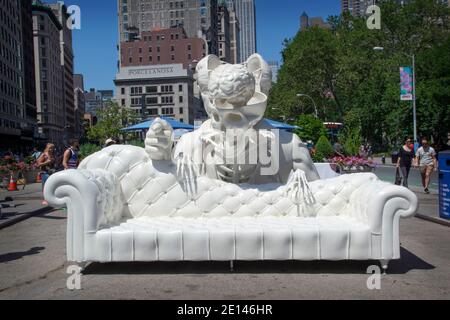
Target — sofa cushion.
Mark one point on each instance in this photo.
(222, 239)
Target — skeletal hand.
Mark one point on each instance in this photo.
(159, 140)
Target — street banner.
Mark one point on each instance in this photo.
(406, 84)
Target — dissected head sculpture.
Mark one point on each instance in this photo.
(235, 96)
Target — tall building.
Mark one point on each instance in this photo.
(80, 104)
(275, 67)
(246, 14)
(224, 32)
(197, 17)
(235, 35)
(29, 130)
(48, 74)
(164, 46)
(97, 99)
(66, 60)
(306, 22)
(12, 74)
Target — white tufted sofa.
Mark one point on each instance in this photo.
(122, 206)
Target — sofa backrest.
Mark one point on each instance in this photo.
(149, 191)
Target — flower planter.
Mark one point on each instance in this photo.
(30, 176)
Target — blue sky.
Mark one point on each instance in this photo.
(95, 44)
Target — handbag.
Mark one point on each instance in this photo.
(398, 177)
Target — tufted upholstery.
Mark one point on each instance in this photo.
(149, 192)
(125, 207)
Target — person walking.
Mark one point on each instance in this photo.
(405, 160)
(46, 163)
(426, 160)
(71, 156)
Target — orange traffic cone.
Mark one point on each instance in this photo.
(38, 178)
(12, 184)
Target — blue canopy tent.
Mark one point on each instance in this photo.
(281, 125)
(146, 125)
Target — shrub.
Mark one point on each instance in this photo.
(311, 128)
(324, 149)
(87, 149)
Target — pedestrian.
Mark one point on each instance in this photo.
(426, 160)
(47, 163)
(35, 154)
(109, 142)
(405, 160)
(338, 149)
(71, 156)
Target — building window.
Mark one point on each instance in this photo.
(123, 102)
(172, 48)
(181, 110)
(152, 112)
(180, 88)
(151, 100)
(151, 89)
(122, 90)
(172, 57)
(180, 99)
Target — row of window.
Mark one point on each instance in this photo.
(166, 111)
(152, 89)
(158, 58)
(154, 100)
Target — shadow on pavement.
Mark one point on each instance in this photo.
(408, 262)
(8, 257)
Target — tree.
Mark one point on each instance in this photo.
(112, 119)
(324, 149)
(311, 128)
(347, 78)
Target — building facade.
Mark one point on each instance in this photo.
(12, 93)
(246, 14)
(96, 100)
(224, 32)
(197, 17)
(80, 104)
(164, 46)
(48, 74)
(158, 90)
(235, 35)
(306, 22)
(67, 64)
(29, 130)
(275, 67)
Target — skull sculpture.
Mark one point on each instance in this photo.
(235, 96)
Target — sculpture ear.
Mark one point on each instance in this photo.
(262, 72)
(204, 68)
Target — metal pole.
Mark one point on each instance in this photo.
(414, 99)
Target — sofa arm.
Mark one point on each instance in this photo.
(92, 198)
(382, 205)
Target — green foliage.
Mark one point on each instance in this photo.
(311, 128)
(351, 140)
(111, 120)
(349, 81)
(88, 148)
(324, 150)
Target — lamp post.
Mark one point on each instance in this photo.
(413, 57)
(316, 113)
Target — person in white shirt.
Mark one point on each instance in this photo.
(426, 160)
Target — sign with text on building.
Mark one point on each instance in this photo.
(406, 84)
(151, 72)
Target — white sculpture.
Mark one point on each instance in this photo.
(199, 201)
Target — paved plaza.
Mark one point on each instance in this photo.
(33, 266)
